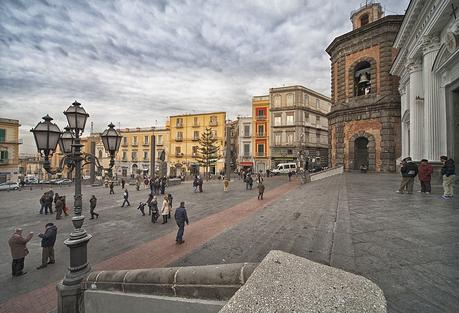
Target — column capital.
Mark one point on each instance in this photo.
(402, 89)
(430, 44)
(414, 64)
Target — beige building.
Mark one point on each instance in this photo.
(9, 150)
(134, 155)
(185, 131)
(298, 125)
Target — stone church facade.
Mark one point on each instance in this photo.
(364, 122)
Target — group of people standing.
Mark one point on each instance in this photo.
(18, 248)
(46, 204)
(424, 171)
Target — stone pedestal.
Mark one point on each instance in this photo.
(70, 299)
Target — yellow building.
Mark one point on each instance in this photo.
(261, 133)
(185, 131)
(9, 150)
(134, 155)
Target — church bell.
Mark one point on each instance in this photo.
(363, 78)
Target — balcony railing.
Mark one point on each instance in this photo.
(179, 154)
(261, 117)
(195, 139)
(179, 139)
(179, 125)
(213, 123)
(246, 135)
(159, 143)
(4, 161)
(195, 125)
(261, 134)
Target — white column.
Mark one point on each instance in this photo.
(416, 95)
(403, 124)
(432, 108)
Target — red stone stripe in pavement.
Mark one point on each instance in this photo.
(155, 253)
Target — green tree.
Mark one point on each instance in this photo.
(208, 150)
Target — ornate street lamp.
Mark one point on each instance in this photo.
(47, 136)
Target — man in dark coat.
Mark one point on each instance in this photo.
(50, 201)
(123, 182)
(43, 204)
(180, 218)
(48, 238)
(111, 185)
(409, 170)
(200, 182)
(448, 172)
(19, 251)
(126, 198)
(92, 207)
(59, 208)
(261, 190)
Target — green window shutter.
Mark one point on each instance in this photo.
(2, 134)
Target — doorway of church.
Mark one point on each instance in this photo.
(360, 152)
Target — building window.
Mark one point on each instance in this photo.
(317, 137)
(160, 140)
(3, 156)
(125, 141)
(195, 121)
(246, 149)
(134, 141)
(246, 130)
(260, 149)
(317, 104)
(290, 119)
(196, 135)
(277, 101)
(306, 99)
(289, 151)
(213, 120)
(277, 139)
(158, 153)
(277, 120)
(145, 140)
(134, 155)
(194, 150)
(290, 136)
(260, 113)
(124, 155)
(178, 150)
(100, 154)
(145, 155)
(179, 122)
(2, 135)
(213, 134)
(364, 20)
(306, 116)
(261, 130)
(290, 99)
(317, 120)
(179, 136)
(362, 78)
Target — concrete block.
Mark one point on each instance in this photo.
(287, 283)
(227, 274)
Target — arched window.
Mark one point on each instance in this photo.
(362, 78)
(364, 19)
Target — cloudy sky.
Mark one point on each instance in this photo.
(136, 62)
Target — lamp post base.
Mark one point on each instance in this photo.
(70, 299)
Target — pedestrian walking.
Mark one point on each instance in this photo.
(250, 180)
(18, 247)
(137, 185)
(259, 177)
(165, 210)
(261, 190)
(141, 207)
(409, 170)
(146, 183)
(92, 207)
(448, 172)
(126, 198)
(50, 200)
(425, 171)
(153, 209)
(48, 238)
(225, 184)
(180, 218)
(169, 200)
(111, 185)
(59, 208)
(123, 182)
(268, 172)
(163, 184)
(195, 184)
(65, 208)
(290, 175)
(200, 182)
(43, 204)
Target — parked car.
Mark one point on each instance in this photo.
(284, 168)
(9, 186)
(315, 169)
(64, 181)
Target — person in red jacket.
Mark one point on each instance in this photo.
(425, 171)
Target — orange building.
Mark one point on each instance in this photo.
(260, 129)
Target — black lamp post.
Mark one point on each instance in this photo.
(47, 136)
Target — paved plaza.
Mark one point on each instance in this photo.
(407, 244)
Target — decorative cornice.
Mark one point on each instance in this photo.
(414, 65)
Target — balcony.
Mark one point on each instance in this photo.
(179, 139)
(261, 154)
(159, 143)
(179, 155)
(123, 160)
(195, 139)
(246, 135)
(213, 123)
(145, 144)
(179, 125)
(261, 134)
(124, 144)
(261, 117)
(15, 142)
(134, 144)
(195, 125)
(4, 161)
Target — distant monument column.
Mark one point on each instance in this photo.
(152, 155)
(92, 168)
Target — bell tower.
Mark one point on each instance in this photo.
(366, 14)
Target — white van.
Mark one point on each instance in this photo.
(284, 168)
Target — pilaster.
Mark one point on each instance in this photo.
(432, 109)
(416, 96)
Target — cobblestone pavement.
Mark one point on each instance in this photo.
(407, 244)
(117, 232)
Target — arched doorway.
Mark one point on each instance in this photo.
(360, 152)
